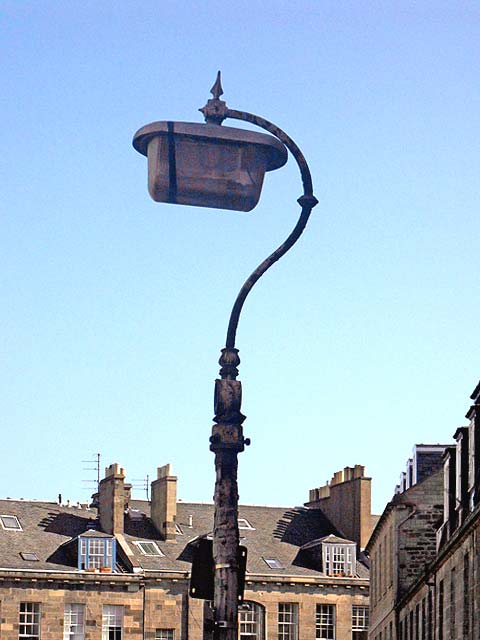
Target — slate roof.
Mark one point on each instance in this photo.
(46, 526)
(276, 532)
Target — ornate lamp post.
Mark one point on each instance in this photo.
(222, 167)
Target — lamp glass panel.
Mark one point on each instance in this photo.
(206, 173)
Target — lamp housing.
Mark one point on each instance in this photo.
(207, 165)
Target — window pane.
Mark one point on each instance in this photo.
(287, 621)
(112, 622)
(251, 621)
(325, 622)
(273, 563)
(74, 622)
(10, 522)
(149, 548)
(339, 559)
(359, 618)
(96, 553)
(29, 621)
(165, 634)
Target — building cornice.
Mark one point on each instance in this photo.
(85, 577)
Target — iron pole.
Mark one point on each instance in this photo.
(227, 439)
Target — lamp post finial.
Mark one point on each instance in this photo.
(217, 89)
(215, 111)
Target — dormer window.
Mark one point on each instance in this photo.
(96, 553)
(338, 559)
(332, 555)
(244, 524)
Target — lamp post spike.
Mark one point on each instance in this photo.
(217, 89)
(215, 111)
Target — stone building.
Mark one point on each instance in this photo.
(119, 569)
(425, 550)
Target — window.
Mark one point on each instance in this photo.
(381, 573)
(32, 557)
(325, 622)
(339, 559)
(243, 523)
(441, 604)
(96, 553)
(452, 603)
(251, 618)
(165, 634)
(29, 621)
(471, 465)
(287, 621)
(466, 596)
(430, 616)
(424, 620)
(112, 622)
(149, 548)
(273, 563)
(10, 523)
(359, 622)
(74, 622)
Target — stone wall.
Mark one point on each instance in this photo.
(427, 463)
(417, 521)
(307, 598)
(163, 607)
(163, 603)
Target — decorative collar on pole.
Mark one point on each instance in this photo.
(215, 111)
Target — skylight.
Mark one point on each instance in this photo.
(32, 557)
(148, 548)
(10, 523)
(135, 514)
(243, 523)
(273, 563)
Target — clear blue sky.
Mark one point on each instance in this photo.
(359, 343)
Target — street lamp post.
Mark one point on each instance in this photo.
(211, 165)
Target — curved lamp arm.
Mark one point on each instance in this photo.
(216, 111)
(307, 201)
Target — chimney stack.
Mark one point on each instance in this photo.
(111, 499)
(163, 509)
(346, 501)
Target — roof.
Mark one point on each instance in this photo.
(274, 533)
(46, 526)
